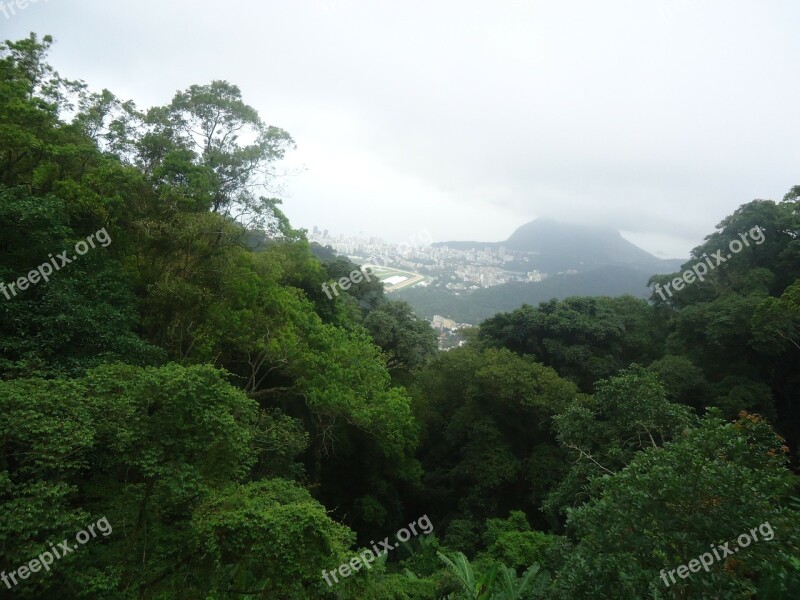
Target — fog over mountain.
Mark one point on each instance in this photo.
(560, 246)
(653, 118)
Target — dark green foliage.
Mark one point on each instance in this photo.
(512, 542)
(683, 382)
(368, 292)
(628, 413)
(484, 412)
(712, 484)
(148, 449)
(241, 432)
(407, 341)
(584, 339)
(271, 538)
(497, 581)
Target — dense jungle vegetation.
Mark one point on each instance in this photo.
(243, 433)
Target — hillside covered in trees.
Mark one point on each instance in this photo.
(578, 260)
(171, 368)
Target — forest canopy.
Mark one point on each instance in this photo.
(244, 434)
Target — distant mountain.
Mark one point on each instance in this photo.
(562, 246)
(579, 260)
(484, 303)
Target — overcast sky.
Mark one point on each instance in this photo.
(468, 119)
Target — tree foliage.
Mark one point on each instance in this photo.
(242, 432)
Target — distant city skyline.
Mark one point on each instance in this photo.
(656, 118)
(651, 243)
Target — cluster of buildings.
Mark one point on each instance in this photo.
(449, 331)
(453, 268)
(374, 249)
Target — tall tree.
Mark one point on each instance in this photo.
(227, 138)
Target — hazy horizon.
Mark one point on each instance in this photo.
(657, 120)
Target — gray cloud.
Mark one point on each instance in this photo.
(470, 118)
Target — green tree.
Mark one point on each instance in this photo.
(708, 486)
(683, 381)
(626, 414)
(485, 416)
(210, 123)
(267, 539)
(407, 341)
(167, 456)
(584, 339)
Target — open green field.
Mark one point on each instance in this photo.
(388, 273)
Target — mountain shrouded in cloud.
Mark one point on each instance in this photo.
(546, 259)
(556, 246)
